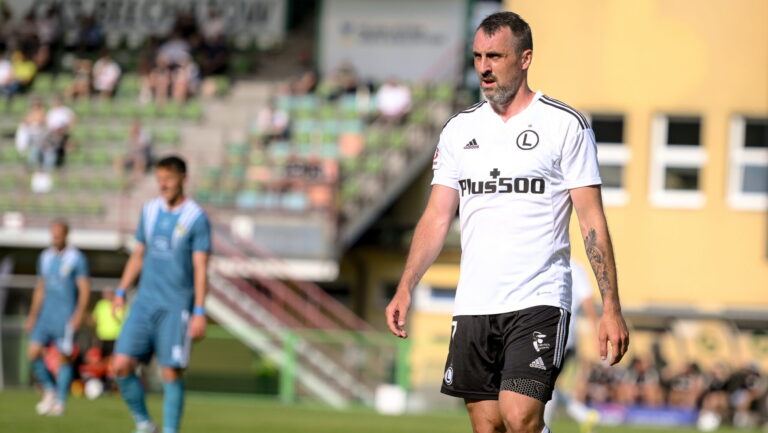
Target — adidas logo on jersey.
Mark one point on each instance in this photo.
(472, 145)
(538, 363)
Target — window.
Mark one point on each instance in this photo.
(748, 179)
(676, 162)
(613, 155)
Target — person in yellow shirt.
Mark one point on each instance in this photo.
(24, 70)
(108, 325)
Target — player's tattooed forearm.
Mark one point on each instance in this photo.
(598, 263)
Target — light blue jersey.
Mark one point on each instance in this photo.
(60, 271)
(170, 238)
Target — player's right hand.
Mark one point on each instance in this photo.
(396, 312)
(118, 307)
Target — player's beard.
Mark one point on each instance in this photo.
(501, 95)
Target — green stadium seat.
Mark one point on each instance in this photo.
(373, 164)
(398, 139)
(193, 111)
(126, 108)
(63, 83)
(43, 83)
(222, 84)
(129, 85)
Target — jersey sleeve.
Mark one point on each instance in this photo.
(444, 167)
(139, 235)
(201, 234)
(578, 160)
(81, 267)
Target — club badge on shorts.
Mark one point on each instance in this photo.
(448, 376)
(538, 341)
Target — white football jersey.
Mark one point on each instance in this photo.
(513, 179)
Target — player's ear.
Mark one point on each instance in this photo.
(525, 59)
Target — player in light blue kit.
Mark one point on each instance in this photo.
(173, 245)
(58, 304)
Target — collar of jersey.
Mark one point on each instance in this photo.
(536, 96)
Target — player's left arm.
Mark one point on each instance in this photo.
(587, 201)
(83, 294)
(198, 321)
(200, 256)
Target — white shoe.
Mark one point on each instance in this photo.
(44, 406)
(146, 427)
(57, 409)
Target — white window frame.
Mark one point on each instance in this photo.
(423, 300)
(739, 157)
(614, 154)
(664, 156)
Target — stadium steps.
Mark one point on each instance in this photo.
(262, 311)
(261, 331)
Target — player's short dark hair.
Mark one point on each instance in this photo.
(520, 29)
(174, 163)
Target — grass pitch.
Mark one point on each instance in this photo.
(206, 413)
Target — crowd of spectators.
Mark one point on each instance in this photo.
(171, 68)
(737, 396)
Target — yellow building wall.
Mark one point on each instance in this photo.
(642, 58)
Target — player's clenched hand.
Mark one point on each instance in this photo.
(197, 326)
(118, 307)
(613, 329)
(396, 312)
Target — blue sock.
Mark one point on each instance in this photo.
(42, 374)
(132, 392)
(64, 381)
(173, 405)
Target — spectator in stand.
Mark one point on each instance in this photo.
(48, 32)
(59, 120)
(214, 56)
(175, 50)
(81, 84)
(24, 71)
(106, 74)
(640, 384)
(747, 388)
(90, 36)
(138, 159)
(185, 25)
(31, 133)
(49, 26)
(107, 322)
(25, 32)
(393, 102)
(343, 80)
(157, 84)
(215, 26)
(7, 82)
(715, 400)
(272, 123)
(686, 387)
(185, 80)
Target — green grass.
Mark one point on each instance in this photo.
(233, 414)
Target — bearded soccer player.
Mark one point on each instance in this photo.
(515, 165)
(173, 245)
(58, 305)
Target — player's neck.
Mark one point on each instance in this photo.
(520, 102)
(175, 203)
